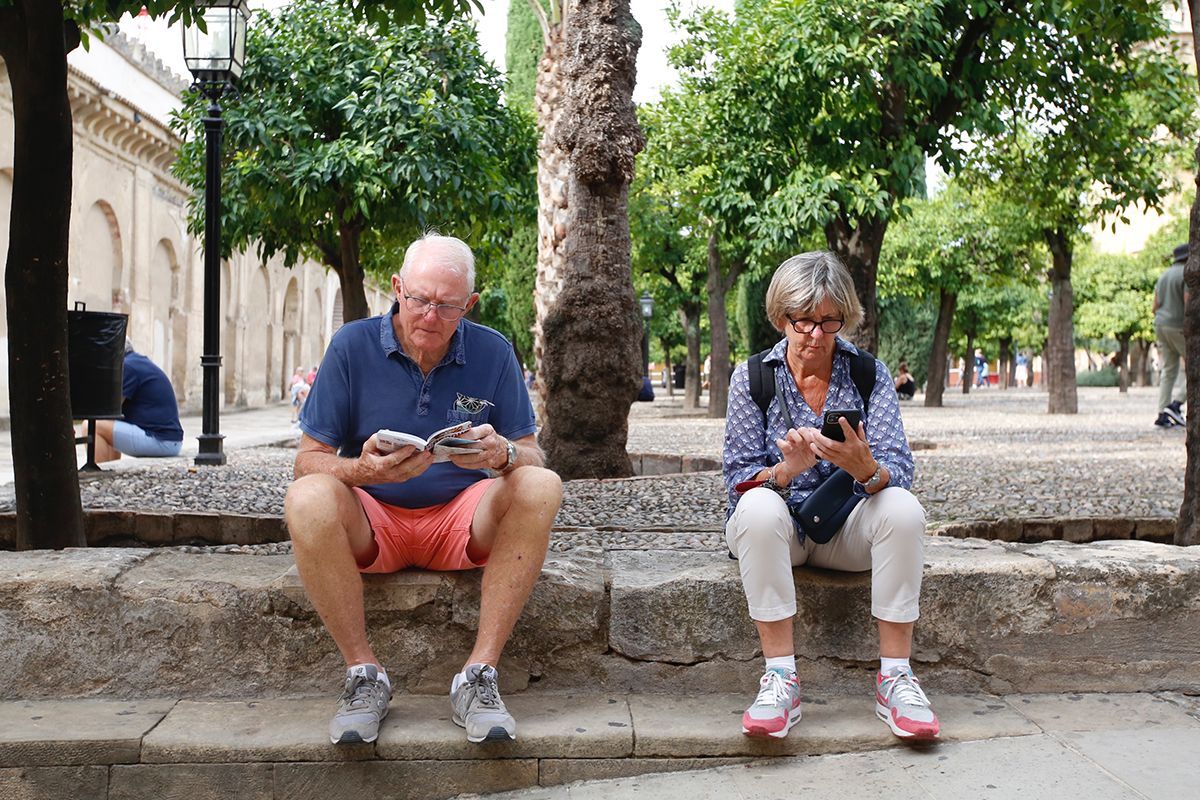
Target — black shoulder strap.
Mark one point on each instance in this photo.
(762, 381)
(862, 371)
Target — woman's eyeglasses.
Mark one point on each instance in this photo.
(810, 325)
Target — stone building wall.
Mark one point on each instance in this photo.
(130, 250)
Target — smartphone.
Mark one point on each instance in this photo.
(830, 428)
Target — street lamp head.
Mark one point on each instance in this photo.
(215, 56)
(647, 305)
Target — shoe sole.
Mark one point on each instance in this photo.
(496, 734)
(759, 730)
(354, 737)
(885, 715)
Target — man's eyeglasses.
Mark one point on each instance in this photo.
(421, 305)
(810, 325)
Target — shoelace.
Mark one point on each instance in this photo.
(905, 688)
(773, 689)
(486, 691)
(358, 691)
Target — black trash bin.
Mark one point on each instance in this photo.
(680, 375)
(96, 365)
(96, 357)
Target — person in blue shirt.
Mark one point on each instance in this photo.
(355, 508)
(150, 426)
(775, 459)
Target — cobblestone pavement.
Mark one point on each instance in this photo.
(987, 455)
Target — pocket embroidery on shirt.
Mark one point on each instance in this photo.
(471, 405)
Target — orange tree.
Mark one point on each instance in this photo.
(35, 37)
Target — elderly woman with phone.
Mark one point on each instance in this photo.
(818, 471)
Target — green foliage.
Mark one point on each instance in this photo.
(523, 51)
(1105, 376)
(1113, 296)
(518, 275)
(91, 13)
(342, 124)
(906, 334)
(1123, 108)
(1156, 253)
(757, 333)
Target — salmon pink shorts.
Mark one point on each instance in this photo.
(434, 538)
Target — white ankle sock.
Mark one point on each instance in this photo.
(383, 676)
(886, 665)
(783, 663)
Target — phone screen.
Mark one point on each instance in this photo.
(830, 428)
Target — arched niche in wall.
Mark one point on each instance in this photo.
(258, 339)
(178, 321)
(291, 334)
(163, 268)
(96, 263)
(230, 338)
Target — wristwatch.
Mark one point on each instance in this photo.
(511, 461)
(870, 483)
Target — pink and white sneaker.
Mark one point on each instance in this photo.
(900, 703)
(777, 708)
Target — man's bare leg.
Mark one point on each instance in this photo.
(330, 537)
(105, 450)
(512, 528)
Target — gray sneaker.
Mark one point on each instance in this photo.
(362, 706)
(478, 707)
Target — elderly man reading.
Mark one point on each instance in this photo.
(358, 507)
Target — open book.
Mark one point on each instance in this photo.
(444, 443)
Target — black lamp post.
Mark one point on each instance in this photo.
(647, 312)
(215, 57)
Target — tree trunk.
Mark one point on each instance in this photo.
(1123, 362)
(591, 359)
(968, 376)
(1006, 365)
(691, 373)
(34, 46)
(935, 384)
(718, 329)
(1059, 361)
(1139, 366)
(552, 178)
(1187, 531)
(350, 273)
(858, 247)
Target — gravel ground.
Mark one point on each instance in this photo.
(994, 454)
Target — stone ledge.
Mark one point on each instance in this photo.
(278, 749)
(123, 526)
(1002, 617)
(1079, 530)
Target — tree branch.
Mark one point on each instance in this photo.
(967, 49)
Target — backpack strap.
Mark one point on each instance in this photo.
(862, 372)
(762, 379)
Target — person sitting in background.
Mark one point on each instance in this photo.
(906, 386)
(150, 428)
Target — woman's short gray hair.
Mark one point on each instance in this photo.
(803, 282)
(454, 254)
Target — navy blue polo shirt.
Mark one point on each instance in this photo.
(149, 399)
(367, 382)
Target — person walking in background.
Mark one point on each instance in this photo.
(1170, 298)
(150, 425)
(981, 368)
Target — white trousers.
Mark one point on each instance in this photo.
(884, 533)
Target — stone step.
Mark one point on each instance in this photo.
(278, 748)
(996, 617)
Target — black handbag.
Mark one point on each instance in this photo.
(824, 512)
